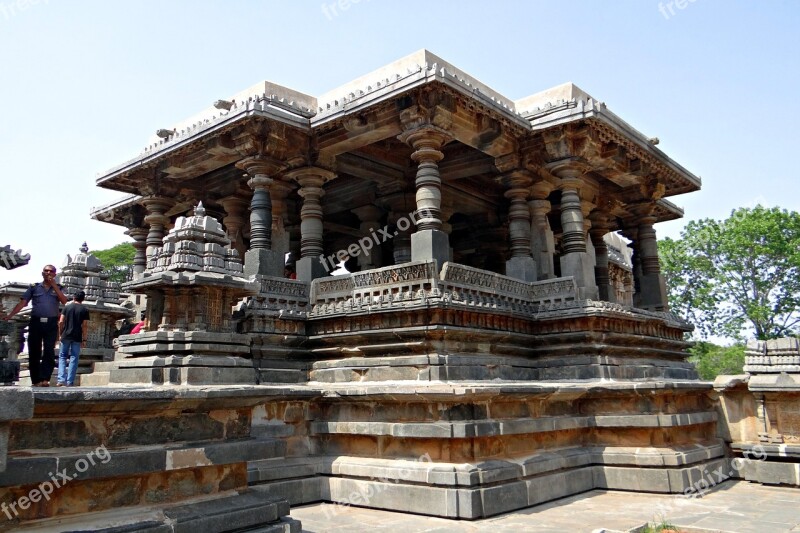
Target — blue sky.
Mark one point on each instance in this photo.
(84, 84)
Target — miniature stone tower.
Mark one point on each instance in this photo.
(191, 284)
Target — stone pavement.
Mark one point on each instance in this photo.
(735, 506)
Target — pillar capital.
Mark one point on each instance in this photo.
(234, 204)
(600, 226)
(157, 205)
(260, 182)
(641, 211)
(572, 167)
(542, 189)
(427, 140)
(368, 213)
(516, 180)
(260, 165)
(508, 162)
(310, 176)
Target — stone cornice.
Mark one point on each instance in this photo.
(611, 128)
(410, 72)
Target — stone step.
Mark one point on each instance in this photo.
(296, 478)
(95, 379)
(244, 511)
(102, 366)
(139, 460)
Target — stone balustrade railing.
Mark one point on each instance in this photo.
(279, 298)
(413, 284)
(772, 356)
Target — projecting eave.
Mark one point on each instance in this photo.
(410, 72)
(117, 211)
(666, 210)
(567, 104)
(256, 106)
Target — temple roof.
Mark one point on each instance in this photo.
(355, 127)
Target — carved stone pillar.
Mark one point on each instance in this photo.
(429, 242)
(652, 289)
(280, 237)
(586, 210)
(521, 264)
(312, 263)
(234, 221)
(398, 205)
(139, 236)
(369, 251)
(261, 259)
(542, 242)
(401, 251)
(601, 275)
(575, 261)
(157, 222)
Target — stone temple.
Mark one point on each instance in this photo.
(492, 344)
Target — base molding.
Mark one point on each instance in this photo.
(480, 490)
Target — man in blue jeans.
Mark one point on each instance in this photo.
(43, 327)
(72, 325)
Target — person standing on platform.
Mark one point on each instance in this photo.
(43, 327)
(73, 326)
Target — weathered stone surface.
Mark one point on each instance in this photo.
(17, 404)
(9, 372)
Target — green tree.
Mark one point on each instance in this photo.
(117, 261)
(712, 360)
(737, 275)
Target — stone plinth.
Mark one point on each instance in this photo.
(275, 320)
(411, 322)
(136, 460)
(473, 450)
